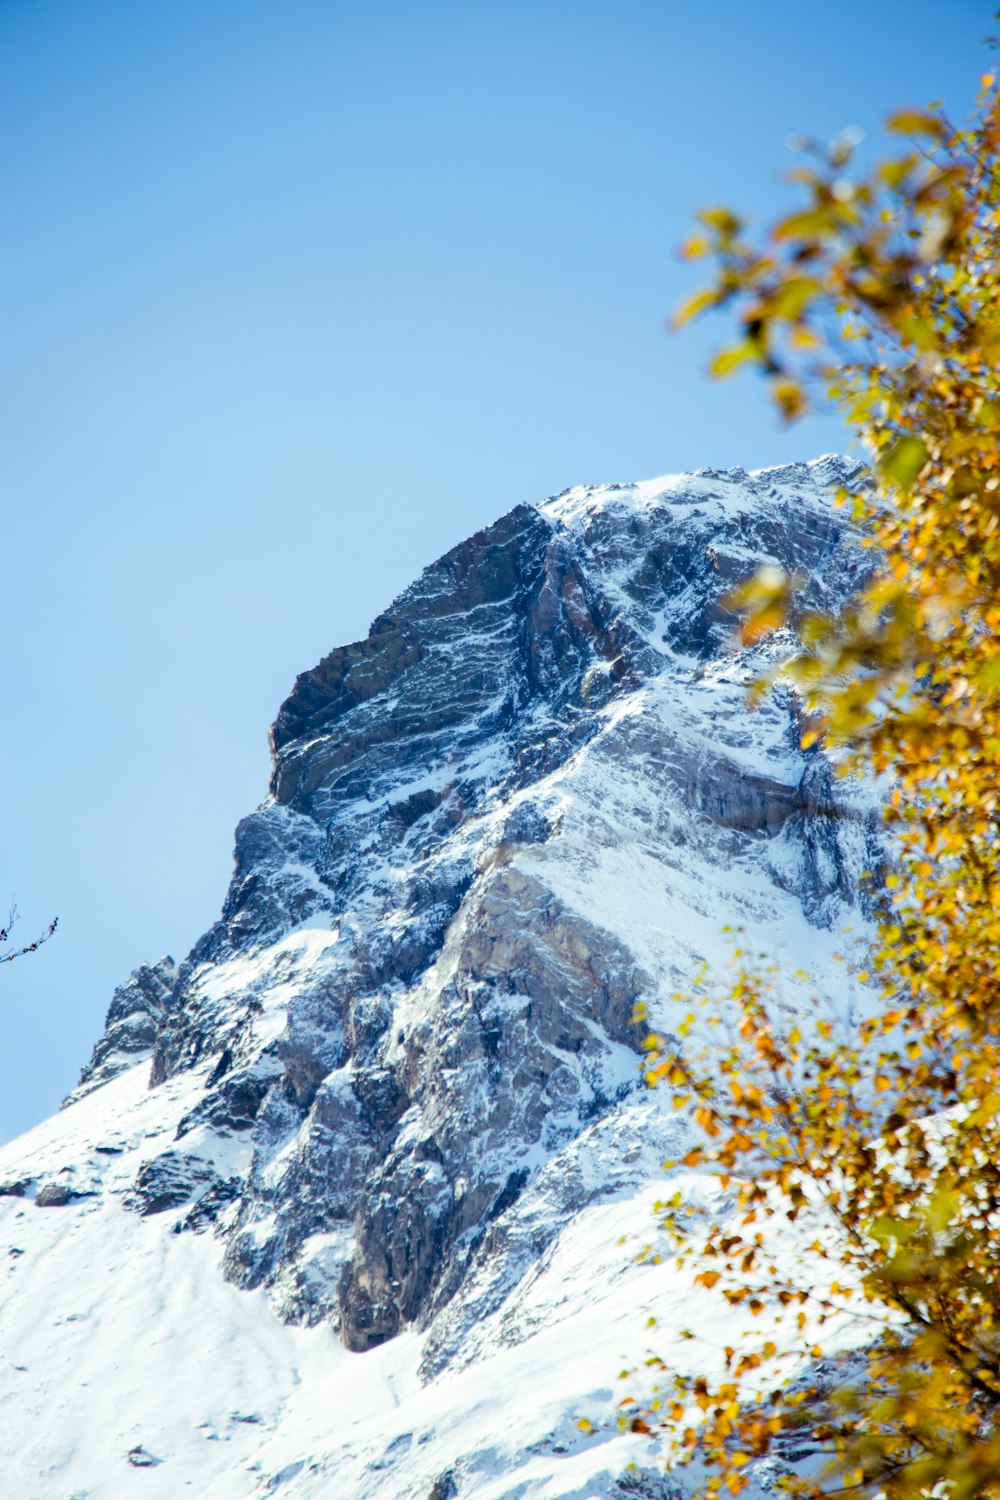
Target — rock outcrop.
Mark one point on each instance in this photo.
(132, 1025)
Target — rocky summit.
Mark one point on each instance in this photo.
(350, 1202)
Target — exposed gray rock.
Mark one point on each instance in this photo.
(132, 1024)
(58, 1194)
(15, 1187)
(647, 1484)
(141, 1458)
(173, 1180)
(54, 1195)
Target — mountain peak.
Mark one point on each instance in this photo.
(815, 480)
(396, 1092)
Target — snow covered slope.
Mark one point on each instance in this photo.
(336, 1208)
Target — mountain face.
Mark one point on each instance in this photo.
(361, 1162)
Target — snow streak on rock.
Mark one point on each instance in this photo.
(395, 1094)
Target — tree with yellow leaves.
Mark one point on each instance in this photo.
(881, 291)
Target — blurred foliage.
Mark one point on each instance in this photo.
(881, 292)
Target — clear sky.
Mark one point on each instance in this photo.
(295, 295)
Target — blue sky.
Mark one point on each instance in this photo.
(295, 295)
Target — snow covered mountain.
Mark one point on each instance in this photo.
(337, 1207)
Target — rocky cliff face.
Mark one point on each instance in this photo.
(405, 1061)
